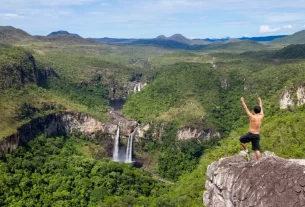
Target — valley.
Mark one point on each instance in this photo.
(87, 123)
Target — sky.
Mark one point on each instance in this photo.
(150, 18)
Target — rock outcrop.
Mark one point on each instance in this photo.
(224, 83)
(287, 100)
(301, 95)
(67, 122)
(189, 133)
(269, 182)
(22, 69)
(140, 131)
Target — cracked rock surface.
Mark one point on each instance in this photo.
(270, 182)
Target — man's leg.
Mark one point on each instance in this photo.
(256, 147)
(258, 154)
(244, 145)
(243, 140)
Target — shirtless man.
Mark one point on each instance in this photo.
(254, 128)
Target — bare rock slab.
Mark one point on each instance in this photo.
(270, 182)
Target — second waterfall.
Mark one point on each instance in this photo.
(129, 149)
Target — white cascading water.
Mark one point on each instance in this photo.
(129, 149)
(116, 146)
(139, 87)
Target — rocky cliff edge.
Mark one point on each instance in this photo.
(67, 122)
(270, 182)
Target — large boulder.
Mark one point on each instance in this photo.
(270, 182)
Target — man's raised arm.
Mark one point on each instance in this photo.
(261, 105)
(245, 107)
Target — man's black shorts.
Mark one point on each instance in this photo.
(254, 138)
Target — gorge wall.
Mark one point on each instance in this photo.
(291, 98)
(64, 123)
(189, 133)
(269, 182)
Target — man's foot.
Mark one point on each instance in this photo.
(246, 154)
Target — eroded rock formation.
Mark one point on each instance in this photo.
(269, 182)
(189, 133)
(301, 95)
(287, 100)
(67, 122)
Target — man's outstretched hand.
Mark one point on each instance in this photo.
(242, 99)
(259, 99)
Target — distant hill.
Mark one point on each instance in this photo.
(10, 34)
(246, 45)
(162, 37)
(217, 39)
(291, 52)
(257, 39)
(165, 43)
(62, 32)
(296, 38)
(107, 40)
(180, 38)
(67, 39)
(263, 39)
(178, 41)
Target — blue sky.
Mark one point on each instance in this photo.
(150, 18)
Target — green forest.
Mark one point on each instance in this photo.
(59, 172)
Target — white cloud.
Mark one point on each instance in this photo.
(267, 29)
(10, 15)
(288, 26)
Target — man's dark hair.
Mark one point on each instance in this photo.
(257, 109)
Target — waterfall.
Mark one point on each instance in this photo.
(116, 145)
(139, 87)
(129, 149)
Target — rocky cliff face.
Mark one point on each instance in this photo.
(301, 95)
(189, 133)
(22, 69)
(269, 182)
(67, 122)
(224, 83)
(287, 100)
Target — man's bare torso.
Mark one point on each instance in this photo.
(255, 123)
